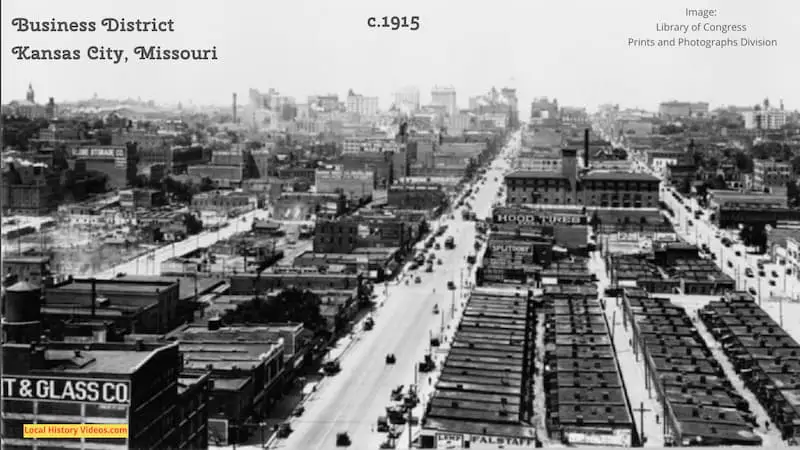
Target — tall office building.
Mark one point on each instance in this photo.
(765, 117)
(366, 106)
(445, 96)
(407, 99)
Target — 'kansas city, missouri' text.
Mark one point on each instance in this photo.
(114, 55)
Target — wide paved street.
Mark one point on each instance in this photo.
(352, 400)
(776, 292)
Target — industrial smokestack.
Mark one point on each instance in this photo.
(586, 148)
(94, 296)
(234, 107)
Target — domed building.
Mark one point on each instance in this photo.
(29, 109)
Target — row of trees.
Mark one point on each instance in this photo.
(181, 191)
(291, 305)
(754, 236)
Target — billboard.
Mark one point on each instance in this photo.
(636, 236)
(501, 247)
(88, 390)
(99, 152)
(449, 440)
(477, 441)
(616, 437)
(538, 217)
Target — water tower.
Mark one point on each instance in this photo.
(22, 321)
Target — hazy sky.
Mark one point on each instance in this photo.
(573, 50)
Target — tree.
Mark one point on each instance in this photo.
(595, 221)
(759, 237)
(744, 162)
(291, 305)
(192, 223)
(207, 184)
(686, 186)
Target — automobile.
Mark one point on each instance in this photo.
(439, 262)
(760, 265)
(752, 291)
(438, 246)
(429, 268)
(782, 262)
(772, 282)
(451, 286)
(331, 368)
(299, 411)
(390, 358)
(284, 430)
(689, 222)
(417, 280)
(761, 273)
(436, 308)
(738, 253)
(749, 272)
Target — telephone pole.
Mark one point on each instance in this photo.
(641, 410)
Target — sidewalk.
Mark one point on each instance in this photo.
(632, 370)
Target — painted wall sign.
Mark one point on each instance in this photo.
(67, 390)
(98, 152)
(479, 441)
(543, 218)
(617, 438)
(504, 248)
(449, 440)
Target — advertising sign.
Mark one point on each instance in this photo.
(539, 218)
(665, 237)
(510, 248)
(616, 438)
(218, 431)
(449, 440)
(628, 237)
(477, 441)
(89, 390)
(99, 152)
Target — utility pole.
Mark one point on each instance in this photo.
(613, 323)
(641, 410)
(410, 427)
(411, 410)
(453, 305)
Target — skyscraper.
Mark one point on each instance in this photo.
(407, 99)
(445, 96)
(366, 106)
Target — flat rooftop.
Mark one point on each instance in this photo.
(687, 370)
(481, 383)
(581, 375)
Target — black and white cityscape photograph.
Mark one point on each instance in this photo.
(364, 224)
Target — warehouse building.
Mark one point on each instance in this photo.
(483, 398)
(104, 383)
(586, 399)
(700, 406)
(763, 354)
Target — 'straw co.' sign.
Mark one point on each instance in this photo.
(87, 390)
